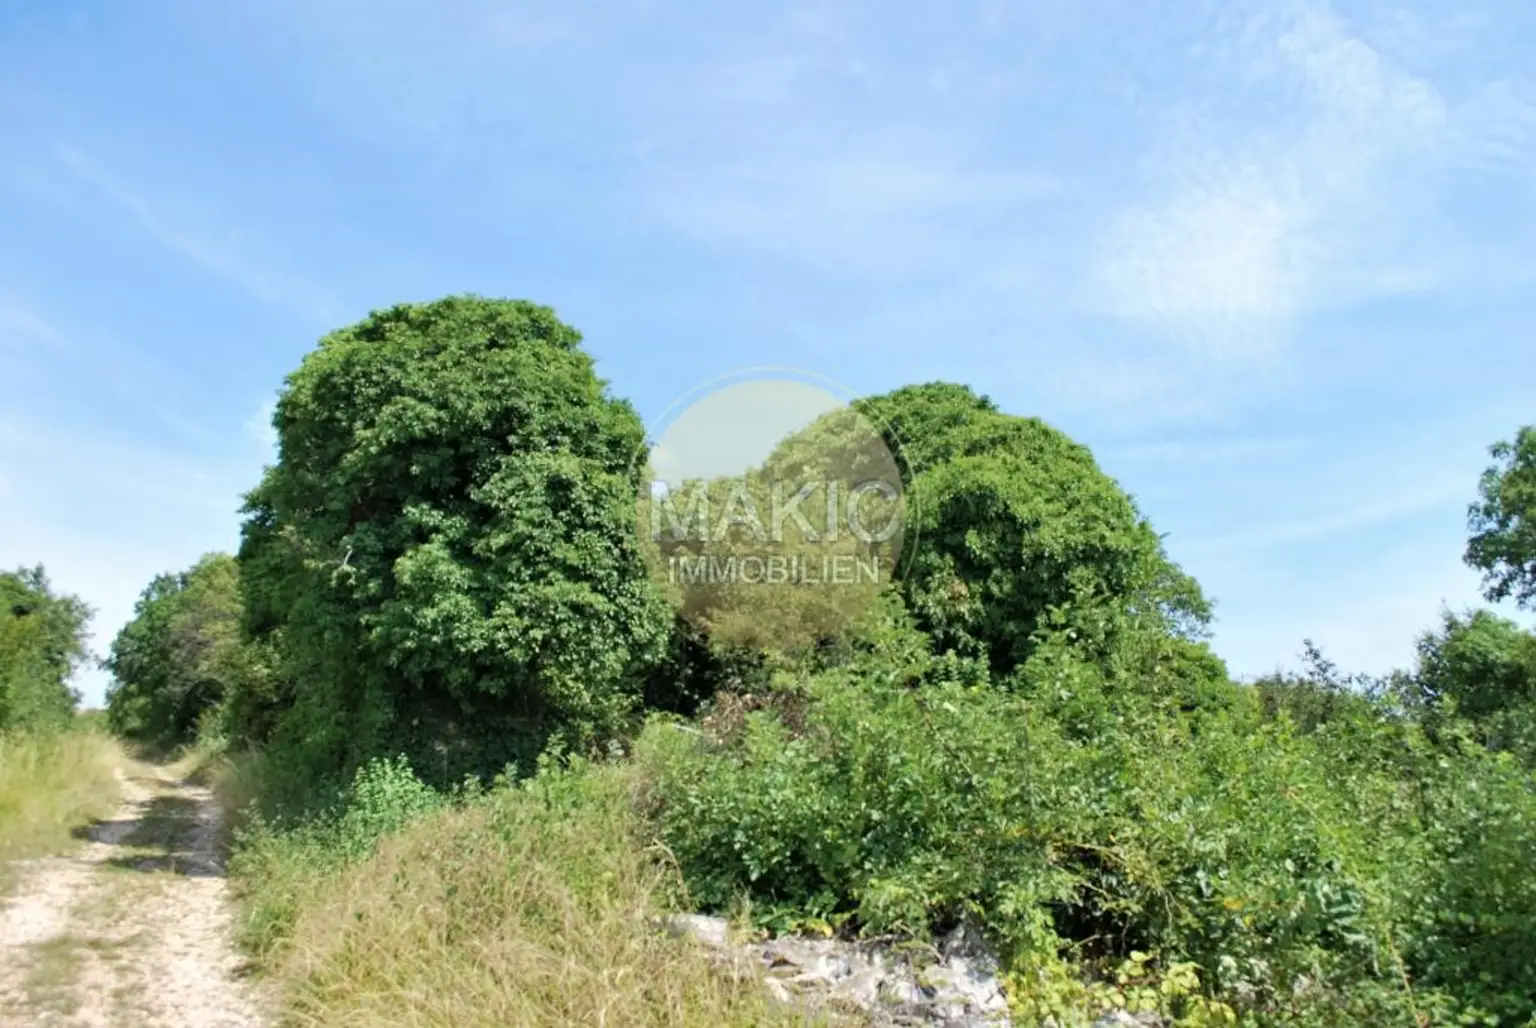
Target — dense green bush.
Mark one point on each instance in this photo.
(1303, 875)
(42, 642)
(1012, 520)
(1471, 930)
(444, 555)
(277, 857)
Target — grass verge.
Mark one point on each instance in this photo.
(50, 785)
(533, 904)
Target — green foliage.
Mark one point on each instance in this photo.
(1053, 989)
(1012, 520)
(1344, 873)
(1503, 521)
(385, 797)
(444, 554)
(1483, 662)
(849, 530)
(182, 655)
(1472, 929)
(1317, 699)
(42, 641)
(277, 858)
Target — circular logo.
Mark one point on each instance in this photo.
(772, 512)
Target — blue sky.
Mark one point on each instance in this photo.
(1272, 261)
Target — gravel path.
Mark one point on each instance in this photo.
(131, 930)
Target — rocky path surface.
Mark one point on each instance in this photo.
(133, 929)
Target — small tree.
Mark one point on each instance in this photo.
(42, 642)
(1503, 522)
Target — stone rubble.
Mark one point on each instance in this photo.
(956, 986)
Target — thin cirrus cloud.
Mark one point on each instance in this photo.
(52, 362)
(877, 211)
(229, 259)
(1272, 536)
(1255, 225)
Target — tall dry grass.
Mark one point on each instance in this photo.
(52, 783)
(532, 905)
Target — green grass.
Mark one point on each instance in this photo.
(529, 905)
(50, 786)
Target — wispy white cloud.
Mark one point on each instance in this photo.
(1251, 220)
(233, 258)
(1235, 249)
(1497, 130)
(43, 357)
(1423, 497)
(875, 208)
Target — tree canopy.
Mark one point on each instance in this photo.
(42, 642)
(181, 655)
(1503, 522)
(1012, 520)
(445, 553)
(443, 574)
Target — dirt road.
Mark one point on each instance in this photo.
(133, 928)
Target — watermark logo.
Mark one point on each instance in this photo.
(775, 511)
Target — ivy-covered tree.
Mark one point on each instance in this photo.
(1503, 522)
(182, 654)
(444, 554)
(1015, 527)
(42, 642)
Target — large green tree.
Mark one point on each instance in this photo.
(42, 642)
(1015, 527)
(445, 552)
(1503, 521)
(181, 655)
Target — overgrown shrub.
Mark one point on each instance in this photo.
(1480, 669)
(1012, 520)
(1502, 522)
(278, 857)
(1301, 880)
(1029, 730)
